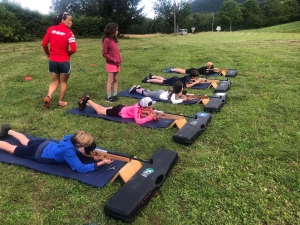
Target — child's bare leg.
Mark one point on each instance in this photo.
(156, 81)
(115, 82)
(7, 147)
(20, 137)
(157, 77)
(179, 70)
(98, 108)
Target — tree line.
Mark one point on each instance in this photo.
(90, 17)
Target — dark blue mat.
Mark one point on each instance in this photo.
(96, 178)
(139, 96)
(89, 111)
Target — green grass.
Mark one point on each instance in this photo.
(244, 169)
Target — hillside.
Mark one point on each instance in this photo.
(210, 5)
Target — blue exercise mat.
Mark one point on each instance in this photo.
(96, 178)
(89, 111)
(139, 96)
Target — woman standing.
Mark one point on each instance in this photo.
(62, 46)
(113, 58)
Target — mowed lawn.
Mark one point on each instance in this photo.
(243, 169)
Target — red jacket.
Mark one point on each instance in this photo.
(111, 52)
(60, 38)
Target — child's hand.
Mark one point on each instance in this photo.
(155, 116)
(96, 158)
(185, 98)
(107, 161)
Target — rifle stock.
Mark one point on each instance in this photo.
(105, 154)
(167, 115)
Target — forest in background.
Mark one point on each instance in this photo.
(90, 17)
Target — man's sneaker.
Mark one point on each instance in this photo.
(47, 101)
(82, 102)
(150, 76)
(110, 99)
(115, 98)
(145, 80)
(132, 89)
(4, 130)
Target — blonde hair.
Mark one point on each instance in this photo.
(82, 139)
(209, 65)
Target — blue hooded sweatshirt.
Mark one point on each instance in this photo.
(64, 152)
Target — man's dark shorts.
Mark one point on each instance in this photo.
(59, 67)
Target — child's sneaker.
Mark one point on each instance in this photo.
(138, 87)
(47, 101)
(168, 70)
(82, 102)
(4, 130)
(150, 76)
(132, 89)
(110, 99)
(115, 98)
(145, 80)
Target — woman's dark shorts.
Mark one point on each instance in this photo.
(59, 67)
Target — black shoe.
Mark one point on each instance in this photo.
(4, 130)
(110, 99)
(150, 76)
(115, 98)
(82, 102)
(132, 89)
(145, 80)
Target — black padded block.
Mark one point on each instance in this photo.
(223, 86)
(231, 73)
(192, 129)
(214, 105)
(137, 192)
(221, 95)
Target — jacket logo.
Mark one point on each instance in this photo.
(58, 32)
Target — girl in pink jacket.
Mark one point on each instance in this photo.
(141, 112)
(111, 53)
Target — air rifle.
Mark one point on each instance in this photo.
(105, 154)
(166, 115)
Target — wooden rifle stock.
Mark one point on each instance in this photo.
(162, 114)
(104, 154)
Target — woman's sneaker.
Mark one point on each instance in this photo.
(82, 102)
(4, 130)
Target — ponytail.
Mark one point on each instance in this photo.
(57, 19)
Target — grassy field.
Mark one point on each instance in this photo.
(244, 169)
